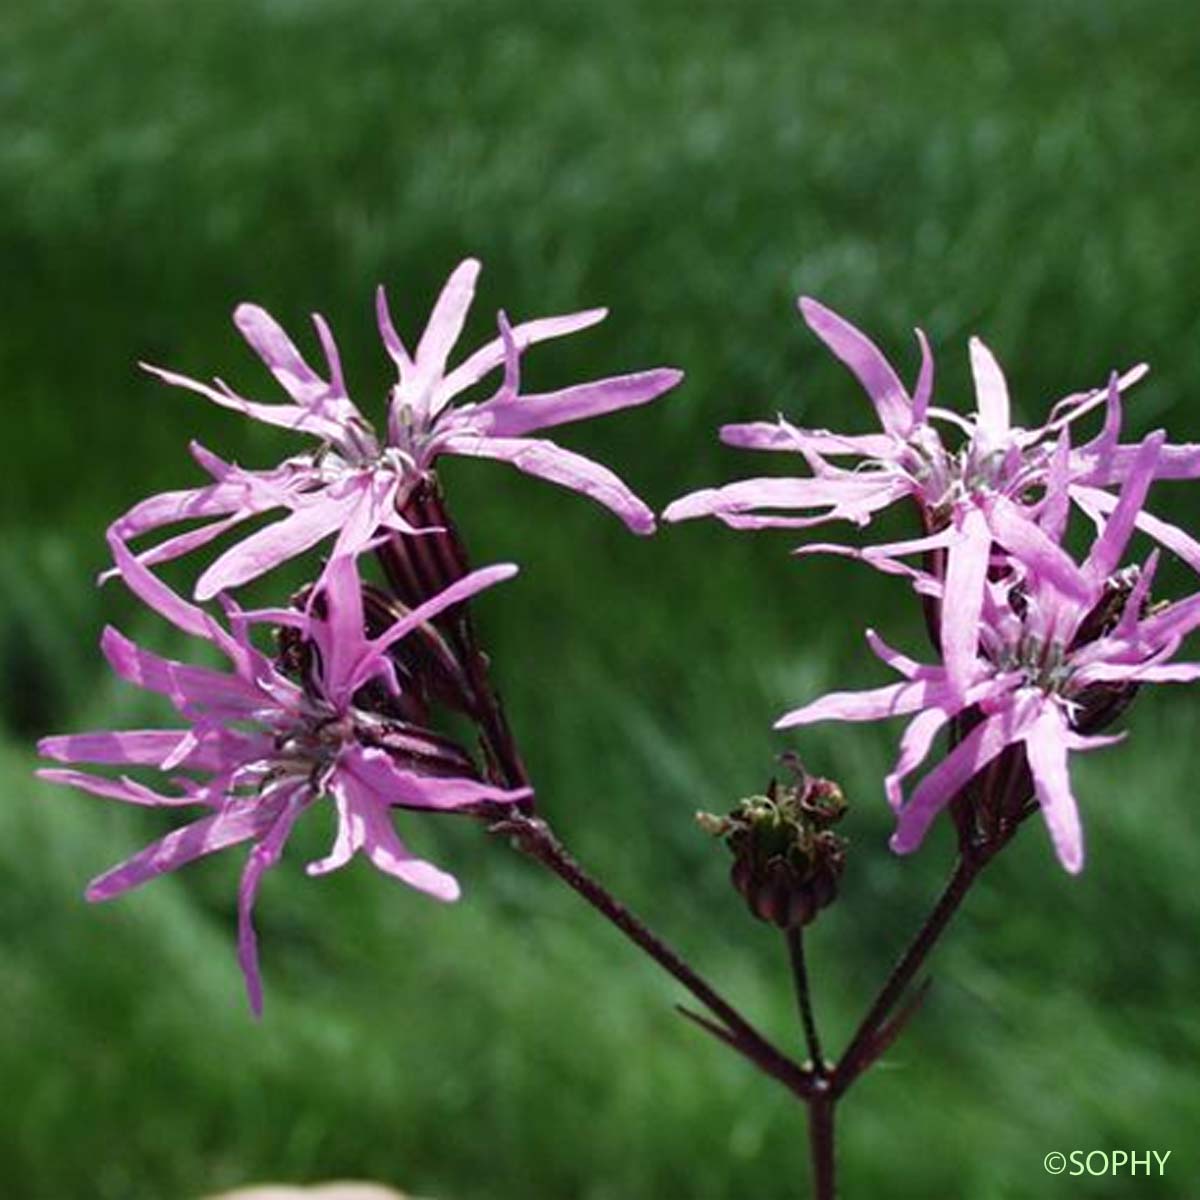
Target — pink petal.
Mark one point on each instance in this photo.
(127, 790)
(895, 700)
(1133, 673)
(152, 591)
(267, 548)
(239, 821)
(285, 416)
(1139, 595)
(866, 362)
(325, 397)
(991, 394)
(262, 858)
(446, 322)
(548, 461)
(142, 747)
(1027, 542)
(779, 435)
(1106, 552)
(921, 731)
(941, 540)
(364, 824)
(374, 507)
(1046, 748)
(184, 543)
(387, 331)
(923, 392)
(510, 384)
(908, 667)
(389, 854)
(490, 356)
(513, 417)
(1175, 462)
(341, 636)
(1070, 408)
(959, 767)
(1077, 741)
(393, 785)
(849, 496)
(962, 603)
(277, 350)
(337, 383)
(350, 832)
(915, 744)
(1056, 505)
(236, 496)
(167, 508)
(1175, 621)
(738, 520)
(1097, 504)
(922, 581)
(463, 589)
(949, 417)
(1099, 451)
(186, 686)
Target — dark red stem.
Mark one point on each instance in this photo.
(821, 1147)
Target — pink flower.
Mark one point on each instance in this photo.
(1035, 667)
(356, 483)
(260, 746)
(989, 459)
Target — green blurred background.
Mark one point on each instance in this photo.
(1025, 170)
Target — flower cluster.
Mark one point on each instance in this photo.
(1038, 651)
(344, 709)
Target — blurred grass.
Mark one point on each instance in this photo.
(1022, 170)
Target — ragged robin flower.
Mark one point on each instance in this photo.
(974, 479)
(356, 481)
(1039, 671)
(262, 742)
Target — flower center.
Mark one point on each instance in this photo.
(1045, 664)
(311, 749)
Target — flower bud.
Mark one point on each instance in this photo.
(786, 858)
